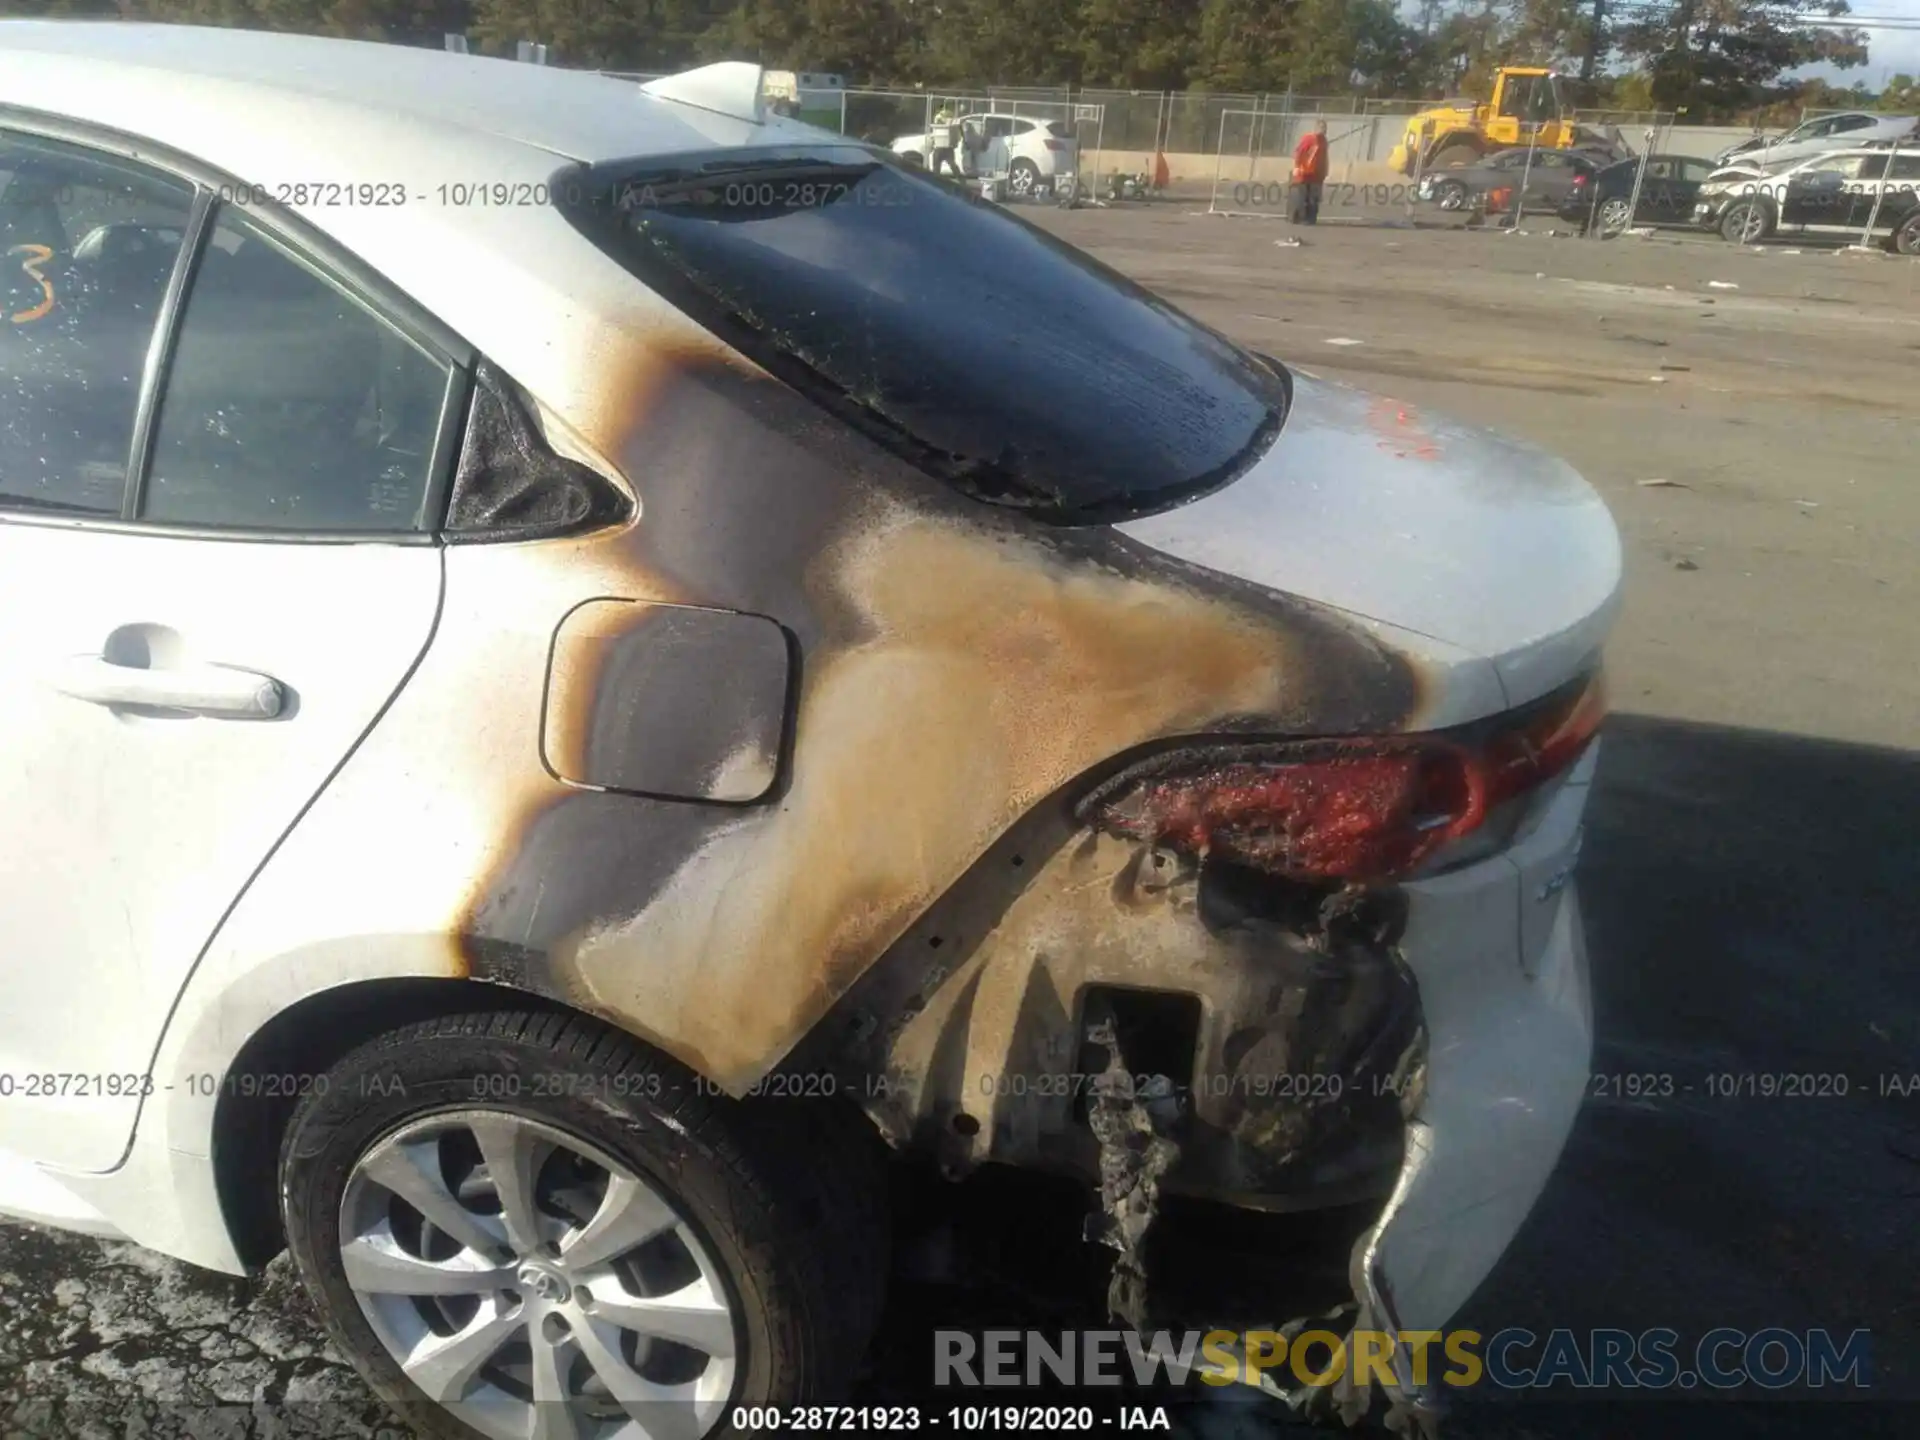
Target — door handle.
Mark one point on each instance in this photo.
(218, 691)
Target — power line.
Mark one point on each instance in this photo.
(1641, 11)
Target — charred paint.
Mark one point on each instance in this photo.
(957, 665)
(679, 701)
(1306, 1014)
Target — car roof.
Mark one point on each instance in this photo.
(471, 145)
(90, 70)
(1662, 155)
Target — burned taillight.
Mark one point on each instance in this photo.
(1345, 810)
(1056, 144)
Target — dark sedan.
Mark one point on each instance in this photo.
(1603, 202)
(1550, 177)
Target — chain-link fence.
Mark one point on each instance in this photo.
(1402, 108)
(880, 117)
(1627, 120)
(1253, 154)
(1125, 130)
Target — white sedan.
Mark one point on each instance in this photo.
(1819, 135)
(570, 691)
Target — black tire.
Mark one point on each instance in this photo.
(1906, 240)
(1450, 195)
(1452, 155)
(1747, 222)
(1023, 177)
(1612, 216)
(788, 1198)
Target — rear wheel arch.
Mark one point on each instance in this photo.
(785, 1198)
(308, 1039)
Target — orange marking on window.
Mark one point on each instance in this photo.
(37, 255)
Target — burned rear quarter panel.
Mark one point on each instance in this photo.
(956, 667)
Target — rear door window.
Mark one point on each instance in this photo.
(999, 359)
(88, 242)
(288, 404)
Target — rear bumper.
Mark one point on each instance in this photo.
(1510, 1037)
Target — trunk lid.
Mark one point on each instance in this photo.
(1408, 519)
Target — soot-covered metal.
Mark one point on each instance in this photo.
(509, 485)
(957, 663)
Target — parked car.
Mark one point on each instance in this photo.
(1029, 152)
(562, 712)
(1549, 178)
(1821, 134)
(1833, 195)
(1604, 203)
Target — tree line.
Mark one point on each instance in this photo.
(1717, 59)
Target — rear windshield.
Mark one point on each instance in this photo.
(990, 354)
(1059, 129)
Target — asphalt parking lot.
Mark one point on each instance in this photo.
(1748, 879)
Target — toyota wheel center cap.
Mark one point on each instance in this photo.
(546, 1284)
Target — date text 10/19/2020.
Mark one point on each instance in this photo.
(821, 1085)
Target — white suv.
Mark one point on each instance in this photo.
(1026, 151)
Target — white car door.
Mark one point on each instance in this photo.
(183, 664)
(996, 160)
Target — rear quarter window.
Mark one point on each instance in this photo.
(997, 358)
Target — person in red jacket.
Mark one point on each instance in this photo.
(1309, 175)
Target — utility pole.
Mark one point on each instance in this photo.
(1593, 41)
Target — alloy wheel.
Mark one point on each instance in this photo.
(537, 1288)
(1453, 195)
(1614, 215)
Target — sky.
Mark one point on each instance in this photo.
(1889, 52)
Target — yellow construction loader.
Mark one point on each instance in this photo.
(1529, 105)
